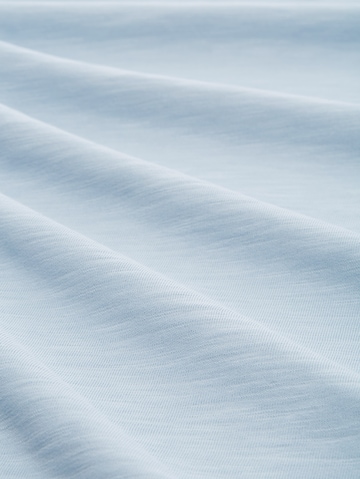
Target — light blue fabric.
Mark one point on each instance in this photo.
(179, 240)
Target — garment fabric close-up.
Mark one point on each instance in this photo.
(180, 239)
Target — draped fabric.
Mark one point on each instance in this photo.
(179, 240)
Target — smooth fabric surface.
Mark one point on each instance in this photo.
(179, 240)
